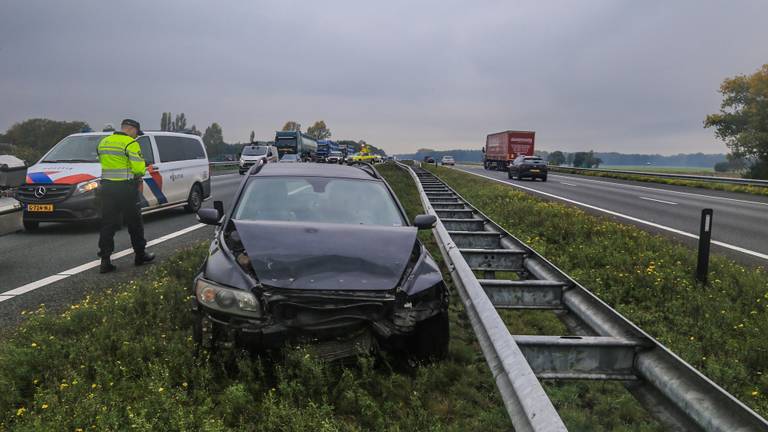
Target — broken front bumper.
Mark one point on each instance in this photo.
(324, 319)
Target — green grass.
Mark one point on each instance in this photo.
(720, 328)
(663, 169)
(712, 185)
(583, 406)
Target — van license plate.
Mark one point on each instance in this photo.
(39, 207)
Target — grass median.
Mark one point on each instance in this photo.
(720, 328)
(712, 185)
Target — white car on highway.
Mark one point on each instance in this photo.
(64, 185)
(448, 160)
(254, 153)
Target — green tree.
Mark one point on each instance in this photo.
(165, 121)
(556, 158)
(742, 122)
(214, 140)
(319, 130)
(32, 138)
(253, 136)
(180, 123)
(291, 125)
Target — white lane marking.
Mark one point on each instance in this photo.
(604, 182)
(657, 200)
(567, 184)
(89, 265)
(631, 218)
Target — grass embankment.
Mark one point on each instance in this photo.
(721, 329)
(749, 189)
(583, 406)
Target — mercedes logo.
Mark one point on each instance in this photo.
(40, 191)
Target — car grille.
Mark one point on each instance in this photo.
(51, 193)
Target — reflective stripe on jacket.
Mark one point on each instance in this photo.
(120, 157)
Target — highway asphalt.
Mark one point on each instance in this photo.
(740, 220)
(28, 258)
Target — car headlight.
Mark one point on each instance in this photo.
(87, 186)
(228, 300)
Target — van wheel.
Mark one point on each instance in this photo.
(31, 225)
(195, 200)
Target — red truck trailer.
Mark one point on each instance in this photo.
(501, 148)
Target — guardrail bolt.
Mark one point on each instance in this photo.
(705, 237)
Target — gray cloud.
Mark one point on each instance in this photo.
(609, 75)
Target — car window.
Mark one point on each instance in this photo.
(146, 149)
(194, 149)
(318, 199)
(174, 148)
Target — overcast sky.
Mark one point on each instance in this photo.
(627, 76)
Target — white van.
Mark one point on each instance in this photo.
(64, 185)
(253, 153)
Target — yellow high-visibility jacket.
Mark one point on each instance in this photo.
(120, 157)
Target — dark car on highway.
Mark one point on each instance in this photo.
(320, 254)
(532, 167)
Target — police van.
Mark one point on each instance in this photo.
(64, 185)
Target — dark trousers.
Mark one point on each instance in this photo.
(120, 204)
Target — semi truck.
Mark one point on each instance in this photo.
(296, 142)
(325, 148)
(501, 148)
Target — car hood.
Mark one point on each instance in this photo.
(63, 173)
(317, 256)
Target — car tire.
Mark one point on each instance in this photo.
(30, 225)
(429, 342)
(509, 174)
(195, 199)
(544, 178)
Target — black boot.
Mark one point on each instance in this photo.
(106, 266)
(143, 257)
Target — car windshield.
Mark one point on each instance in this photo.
(290, 158)
(77, 148)
(533, 159)
(335, 153)
(254, 151)
(318, 199)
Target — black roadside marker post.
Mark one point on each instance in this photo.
(705, 236)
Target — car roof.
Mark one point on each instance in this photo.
(313, 170)
(153, 133)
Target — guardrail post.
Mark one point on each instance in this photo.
(705, 237)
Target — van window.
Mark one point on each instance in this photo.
(146, 149)
(173, 148)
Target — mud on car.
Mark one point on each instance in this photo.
(319, 254)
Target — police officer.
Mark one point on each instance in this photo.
(122, 168)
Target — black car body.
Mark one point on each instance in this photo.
(290, 268)
(532, 167)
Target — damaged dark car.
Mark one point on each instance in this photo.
(322, 255)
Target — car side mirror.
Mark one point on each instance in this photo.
(208, 216)
(424, 221)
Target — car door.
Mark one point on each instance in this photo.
(171, 187)
(148, 198)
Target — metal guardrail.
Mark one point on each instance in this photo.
(604, 345)
(713, 179)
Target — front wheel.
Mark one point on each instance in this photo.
(509, 174)
(195, 200)
(429, 341)
(30, 225)
(544, 178)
